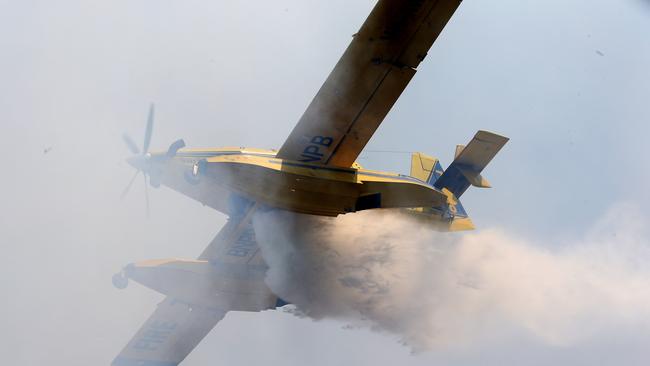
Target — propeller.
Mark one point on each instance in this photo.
(139, 160)
(148, 130)
(132, 146)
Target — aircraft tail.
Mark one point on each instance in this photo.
(425, 168)
(468, 163)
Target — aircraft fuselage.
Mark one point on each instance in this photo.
(215, 176)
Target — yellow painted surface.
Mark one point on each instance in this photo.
(422, 166)
(258, 175)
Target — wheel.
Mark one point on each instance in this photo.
(120, 281)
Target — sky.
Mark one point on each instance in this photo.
(567, 81)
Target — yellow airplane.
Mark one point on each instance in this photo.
(314, 172)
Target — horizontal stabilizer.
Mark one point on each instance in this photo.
(474, 178)
(469, 162)
(459, 149)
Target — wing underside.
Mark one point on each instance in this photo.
(368, 79)
(169, 335)
(231, 266)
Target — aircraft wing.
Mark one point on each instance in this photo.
(367, 80)
(169, 335)
(178, 325)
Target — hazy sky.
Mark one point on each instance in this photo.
(566, 80)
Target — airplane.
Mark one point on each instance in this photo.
(314, 172)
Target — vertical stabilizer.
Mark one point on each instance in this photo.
(421, 166)
(425, 168)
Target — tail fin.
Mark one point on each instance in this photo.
(469, 162)
(425, 168)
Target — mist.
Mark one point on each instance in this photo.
(381, 271)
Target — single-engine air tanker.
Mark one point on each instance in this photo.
(314, 172)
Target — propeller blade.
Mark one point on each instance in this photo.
(130, 144)
(173, 148)
(146, 193)
(149, 130)
(128, 187)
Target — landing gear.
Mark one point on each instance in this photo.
(120, 280)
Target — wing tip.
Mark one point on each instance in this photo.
(491, 137)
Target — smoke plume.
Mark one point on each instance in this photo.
(377, 269)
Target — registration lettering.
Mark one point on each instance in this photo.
(155, 334)
(314, 151)
(244, 244)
